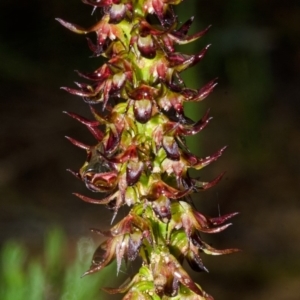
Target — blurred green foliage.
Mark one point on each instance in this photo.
(52, 276)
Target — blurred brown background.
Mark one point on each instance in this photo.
(255, 54)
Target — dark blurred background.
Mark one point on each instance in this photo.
(255, 54)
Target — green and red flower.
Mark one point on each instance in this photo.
(140, 158)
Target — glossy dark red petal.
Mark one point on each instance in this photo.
(105, 200)
(143, 110)
(171, 147)
(77, 143)
(133, 172)
(222, 219)
(183, 30)
(91, 125)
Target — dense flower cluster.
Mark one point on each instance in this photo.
(140, 158)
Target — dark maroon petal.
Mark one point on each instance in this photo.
(201, 163)
(188, 94)
(212, 251)
(73, 27)
(171, 147)
(124, 226)
(106, 90)
(135, 242)
(91, 125)
(201, 219)
(196, 240)
(143, 92)
(118, 81)
(160, 188)
(102, 257)
(200, 185)
(105, 200)
(181, 61)
(158, 6)
(78, 144)
(84, 86)
(190, 158)
(82, 119)
(171, 287)
(205, 91)
(191, 38)
(140, 223)
(97, 115)
(130, 153)
(133, 172)
(198, 56)
(162, 208)
(95, 48)
(92, 187)
(176, 59)
(222, 219)
(215, 229)
(196, 127)
(195, 262)
(98, 48)
(101, 182)
(93, 100)
(99, 75)
(169, 17)
(190, 61)
(174, 86)
(143, 110)
(78, 92)
(112, 142)
(186, 280)
(183, 30)
(117, 13)
(146, 46)
(144, 29)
